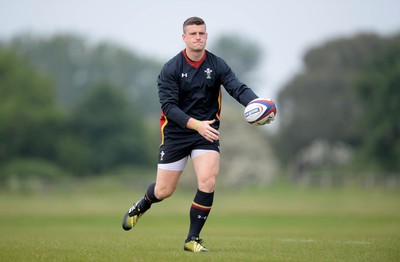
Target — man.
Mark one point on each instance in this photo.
(189, 88)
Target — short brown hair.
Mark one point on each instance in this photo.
(194, 20)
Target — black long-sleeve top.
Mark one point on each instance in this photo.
(193, 89)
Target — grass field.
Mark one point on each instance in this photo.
(277, 223)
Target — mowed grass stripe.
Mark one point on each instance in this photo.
(275, 227)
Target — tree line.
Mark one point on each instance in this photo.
(65, 109)
(69, 106)
(72, 107)
(348, 96)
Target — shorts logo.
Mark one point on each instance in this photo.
(208, 71)
(184, 74)
(162, 155)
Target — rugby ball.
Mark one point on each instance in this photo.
(260, 111)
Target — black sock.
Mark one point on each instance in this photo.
(199, 211)
(148, 199)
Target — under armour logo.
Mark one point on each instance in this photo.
(162, 155)
(184, 74)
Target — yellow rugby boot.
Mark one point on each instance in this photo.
(194, 245)
(131, 217)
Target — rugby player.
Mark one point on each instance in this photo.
(189, 88)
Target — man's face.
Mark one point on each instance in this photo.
(195, 37)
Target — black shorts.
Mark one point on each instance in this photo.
(172, 151)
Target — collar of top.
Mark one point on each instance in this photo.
(195, 64)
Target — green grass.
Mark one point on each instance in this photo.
(278, 223)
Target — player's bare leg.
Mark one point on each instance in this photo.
(166, 183)
(206, 167)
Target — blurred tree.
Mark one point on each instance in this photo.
(379, 92)
(242, 55)
(320, 102)
(107, 132)
(29, 118)
(77, 65)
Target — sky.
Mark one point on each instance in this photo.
(284, 29)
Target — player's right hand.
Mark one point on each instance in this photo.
(207, 131)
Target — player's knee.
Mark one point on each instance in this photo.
(164, 192)
(207, 184)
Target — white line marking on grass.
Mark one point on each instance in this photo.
(297, 240)
(355, 242)
(362, 242)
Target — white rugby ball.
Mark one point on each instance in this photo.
(260, 111)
